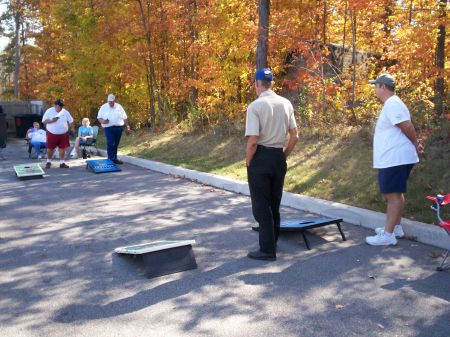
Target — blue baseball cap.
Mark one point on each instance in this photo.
(264, 74)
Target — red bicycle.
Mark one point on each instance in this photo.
(439, 201)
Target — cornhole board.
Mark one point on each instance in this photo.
(163, 257)
(302, 225)
(29, 171)
(102, 166)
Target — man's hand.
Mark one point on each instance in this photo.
(420, 146)
(54, 119)
(252, 144)
(127, 129)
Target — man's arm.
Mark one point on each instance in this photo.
(252, 144)
(50, 120)
(293, 139)
(408, 129)
(102, 120)
(125, 121)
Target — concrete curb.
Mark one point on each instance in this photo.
(422, 232)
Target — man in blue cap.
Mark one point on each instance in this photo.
(269, 120)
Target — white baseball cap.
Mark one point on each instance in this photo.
(111, 98)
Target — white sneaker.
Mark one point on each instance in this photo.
(398, 231)
(382, 239)
(40, 157)
(74, 156)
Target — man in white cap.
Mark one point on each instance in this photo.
(395, 151)
(269, 121)
(113, 119)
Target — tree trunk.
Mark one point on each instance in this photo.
(152, 85)
(353, 19)
(25, 65)
(193, 63)
(263, 33)
(344, 38)
(324, 23)
(17, 54)
(440, 62)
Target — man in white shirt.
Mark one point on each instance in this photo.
(113, 119)
(395, 151)
(57, 121)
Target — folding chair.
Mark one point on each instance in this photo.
(92, 143)
(439, 201)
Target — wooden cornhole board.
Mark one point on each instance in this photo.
(302, 225)
(102, 166)
(29, 171)
(163, 257)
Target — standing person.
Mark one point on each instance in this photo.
(57, 121)
(85, 137)
(270, 118)
(395, 151)
(113, 118)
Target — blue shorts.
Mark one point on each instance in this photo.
(394, 179)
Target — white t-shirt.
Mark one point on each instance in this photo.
(61, 126)
(39, 136)
(115, 115)
(391, 147)
(270, 117)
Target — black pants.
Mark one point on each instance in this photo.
(113, 135)
(265, 179)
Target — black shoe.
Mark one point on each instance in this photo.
(255, 228)
(259, 255)
(117, 161)
(48, 165)
(63, 165)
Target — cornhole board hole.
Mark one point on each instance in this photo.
(29, 171)
(163, 257)
(302, 225)
(102, 166)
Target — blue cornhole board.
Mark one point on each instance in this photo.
(102, 165)
(304, 224)
(163, 257)
(29, 171)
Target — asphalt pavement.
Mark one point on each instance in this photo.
(59, 275)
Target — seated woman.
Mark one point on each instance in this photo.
(37, 139)
(85, 137)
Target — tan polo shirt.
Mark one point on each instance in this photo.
(270, 117)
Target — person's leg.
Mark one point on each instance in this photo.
(62, 154)
(51, 146)
(279, 173)
(117, 135)
(49, 156)
(77, 144)
(259, 182)
(392, 182)
(109, 135)
(394, 210)
(37, 147)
